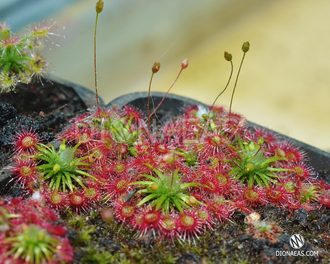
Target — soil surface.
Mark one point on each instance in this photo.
(231, 242)
(24, 110)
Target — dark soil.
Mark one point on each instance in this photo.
(23, 110)
(229, 243)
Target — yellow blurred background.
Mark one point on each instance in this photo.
(284, 83)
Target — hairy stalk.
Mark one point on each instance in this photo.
(245, 48)
(98, 8)
(184, 65)
(152, 75)
(95, 72)
(155, 68)
(228, 57)
(232, 95)
(165, 95)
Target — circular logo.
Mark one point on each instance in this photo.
(297, 241)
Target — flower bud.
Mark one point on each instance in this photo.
(62, 146)
(184, 64)
(246, 46)
(56, 167)
(192, 200)
(261, 141)
(228, 56)
(155, 68)
(99, 6)
(154, 186)
(249, 167)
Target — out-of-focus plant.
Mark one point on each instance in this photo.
(33, 233)
(20, 55)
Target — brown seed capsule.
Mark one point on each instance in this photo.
(184, 64)
(155, 68)
(228, 56)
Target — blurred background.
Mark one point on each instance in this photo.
(284, 83)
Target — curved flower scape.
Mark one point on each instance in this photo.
(205, 166)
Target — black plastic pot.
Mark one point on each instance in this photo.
(86, 95)
(174, 105)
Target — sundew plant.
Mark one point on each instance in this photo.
(21, 60)
(206, 165)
